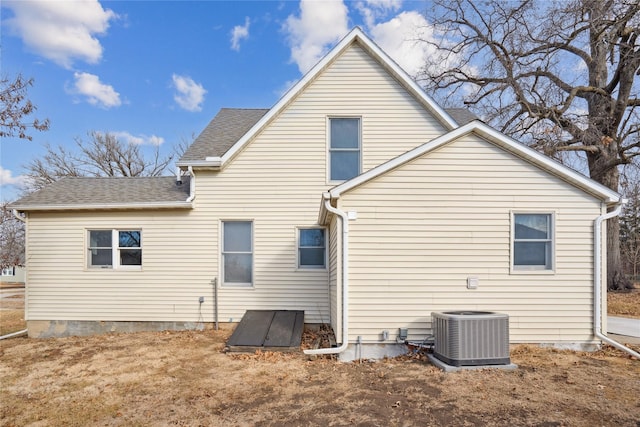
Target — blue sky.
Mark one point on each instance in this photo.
(156, 72)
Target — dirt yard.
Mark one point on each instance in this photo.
(624, 304)
(185, 379)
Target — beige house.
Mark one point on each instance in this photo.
(356, 198)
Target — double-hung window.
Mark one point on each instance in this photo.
(533, 241)
(344, 148)
(114, 249)
(311, 248)
(237, 253)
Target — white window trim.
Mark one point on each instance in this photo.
(535, 270)
(236, 285)
(328, 142)
(115, 250)
(9, 271)
(326, 246)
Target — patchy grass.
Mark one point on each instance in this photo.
(624, 303)
(12, 321)
(12, 315)
(184, 378)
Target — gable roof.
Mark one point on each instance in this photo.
(355, 36)
(230, 124)
(226, 128)
(500, 140)
(72, 193)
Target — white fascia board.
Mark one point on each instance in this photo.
(405, 79)
(497, 138)
(337, 191)
(104, 206)
(210, 162)
(544, 162)
(377, 53)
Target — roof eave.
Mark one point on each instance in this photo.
(354, 35)
(213, 163)
(103, 206)
(516, 148)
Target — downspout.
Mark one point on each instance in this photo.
(17, 215)
(192, 185)
(345, 281)
(597, 280)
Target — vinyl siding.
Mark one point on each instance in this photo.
(276, 181)
(426, 226)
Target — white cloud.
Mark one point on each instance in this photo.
(402, 39)
(7, 178)
(96, 92)
(138, 139)
(373, 10)
(239, 32)
(190, 94)
(61, 31)
(320, 24)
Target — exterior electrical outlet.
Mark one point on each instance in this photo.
(201, 300)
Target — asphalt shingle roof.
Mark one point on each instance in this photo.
(121, 191)
(230, 124)
(462, 116)
(226, 128)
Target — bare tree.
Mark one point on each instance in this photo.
(14, 107)
(559, 75)
(102, 155)
(11, 238)
(630, 224)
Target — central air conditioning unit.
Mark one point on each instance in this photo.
(471, 338)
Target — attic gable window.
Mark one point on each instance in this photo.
(533, 241)
(344, 148)
(114, 249)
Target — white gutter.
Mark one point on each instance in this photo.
(597, 280)
(210, 162)
(192, 185)
(114, 206)
(345, 281)
(17, 215)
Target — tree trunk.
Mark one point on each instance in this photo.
(610, 177)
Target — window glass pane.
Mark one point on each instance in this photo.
(129, 239)
(532, 226)
(237, 268)
(130, 257)
(312, 237)
(312, 257)
(237, 236)
(344, 165)
(532, 253)
(345, 133)
(100, 238)
(100, 257)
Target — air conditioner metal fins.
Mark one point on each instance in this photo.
(471, 338)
